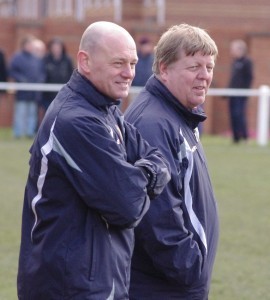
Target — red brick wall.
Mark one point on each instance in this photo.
(224, 21)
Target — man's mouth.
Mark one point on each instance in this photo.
(200, 87)
(200, 90)
(123, 85)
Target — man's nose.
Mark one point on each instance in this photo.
(204, 73)
(128, 71)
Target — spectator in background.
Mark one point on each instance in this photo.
(39, 48)
(241, 78)
(143, 69)
(176, 242)
(26, 67)
(3, 71)
(58, 68)
(3, 67)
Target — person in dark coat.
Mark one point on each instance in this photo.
(3, 67)
(144, 66)
(90, 181)
(241, 78)
(176, 242)
(3, 71)
(58, 68)
(26, 67)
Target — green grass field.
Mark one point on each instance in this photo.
(240, 176)
(241, 180)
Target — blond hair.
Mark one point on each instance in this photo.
(185, 39)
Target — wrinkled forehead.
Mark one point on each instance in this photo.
(115, 38)
(118, 45)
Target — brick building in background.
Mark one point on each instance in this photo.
(227, 20)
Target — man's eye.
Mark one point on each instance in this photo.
(132, 65)
(193, 68)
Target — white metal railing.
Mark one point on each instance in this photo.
(262, 93)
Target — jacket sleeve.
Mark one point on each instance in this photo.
(149, 159)
(248, 73)
(163, 232)
(97, 167)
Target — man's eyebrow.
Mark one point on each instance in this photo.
(117, 58)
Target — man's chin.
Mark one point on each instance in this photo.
(122, 95)
(200, 100)
(197, 102)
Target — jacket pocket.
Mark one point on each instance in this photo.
(81, 257)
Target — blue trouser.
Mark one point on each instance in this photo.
(25, 118)
(238, 118)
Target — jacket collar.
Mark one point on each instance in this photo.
(81, 85)
(192, 117)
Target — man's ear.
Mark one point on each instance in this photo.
(83, 61)
(163, 71)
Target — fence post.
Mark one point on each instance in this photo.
(263, 116)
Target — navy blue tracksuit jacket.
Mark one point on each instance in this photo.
(82, 199)
(176, 242)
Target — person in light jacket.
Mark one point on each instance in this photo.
(176, 242)
(90, 181)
